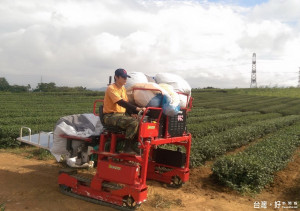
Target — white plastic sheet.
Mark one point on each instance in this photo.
(80, 125)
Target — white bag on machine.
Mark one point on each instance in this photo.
(156, 95)
(145, 98)
(178, 83)
(167, 97)
(171, 101)
(136, 78)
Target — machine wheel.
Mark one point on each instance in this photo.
(130, 203)
(68, 171)
(64, 188)
(176, 182)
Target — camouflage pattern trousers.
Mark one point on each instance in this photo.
(121, 120)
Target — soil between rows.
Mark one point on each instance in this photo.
(30, 184)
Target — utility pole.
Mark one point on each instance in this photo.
(299, 79)
(253, 73)
(41, 84)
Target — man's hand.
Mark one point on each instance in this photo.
(140, 109)
(134, 116)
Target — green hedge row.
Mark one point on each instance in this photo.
(203, 112)
(29, 120)
(208, 127)
(198, 119)
(265, 104)
(213, 145)
(39, 111)
(251, 170)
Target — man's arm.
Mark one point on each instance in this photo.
(130, 109)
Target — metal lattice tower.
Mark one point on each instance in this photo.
(299, 79)
(253, 73)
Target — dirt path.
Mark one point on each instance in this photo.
(29, 184)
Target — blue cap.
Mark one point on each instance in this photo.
(121, 72)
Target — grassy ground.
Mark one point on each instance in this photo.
(30, 152)
(2, 207)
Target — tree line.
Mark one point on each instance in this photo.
(41, 87)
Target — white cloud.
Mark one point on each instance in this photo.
(282, 10)
(107, 44)
(269, 38)
(81, 43)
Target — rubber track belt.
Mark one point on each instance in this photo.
(85, 198)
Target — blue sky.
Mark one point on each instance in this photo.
(209, 43)
(246, 3)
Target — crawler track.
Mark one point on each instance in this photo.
(67, 191)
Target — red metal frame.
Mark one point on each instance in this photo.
(129, 172)
(95, 106)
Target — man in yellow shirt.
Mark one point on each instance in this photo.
(116, 109)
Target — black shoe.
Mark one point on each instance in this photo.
(130, 151)
(128, 148)
(134, 146)
(136, 149)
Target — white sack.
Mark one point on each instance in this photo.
(145, 98)
(171, 102)
(174, 97)
(136, 77)
(178, 83)
(157, 95)
(151, 79)
(59, 147)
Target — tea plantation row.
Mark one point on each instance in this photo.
(252, 169)
(220, 122)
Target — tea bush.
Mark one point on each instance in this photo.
(254, 168)
(214, 145)
(209, 127)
